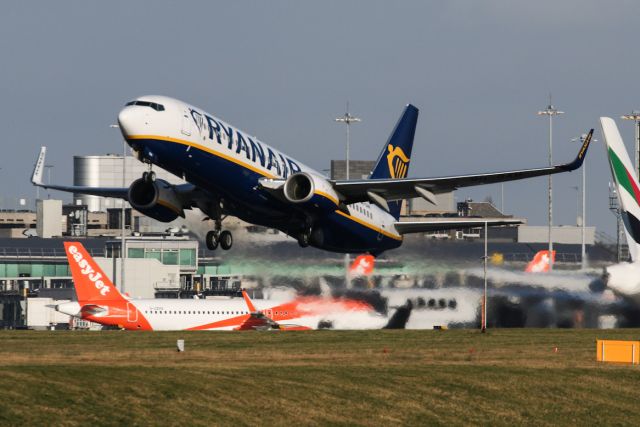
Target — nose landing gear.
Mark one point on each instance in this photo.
(149, 176)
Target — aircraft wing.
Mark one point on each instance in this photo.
(36, 179)
(395, 189)
(186, 190)
(436, 224)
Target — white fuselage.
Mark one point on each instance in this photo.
(228, 314)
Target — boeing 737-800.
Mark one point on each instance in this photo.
(229, 172)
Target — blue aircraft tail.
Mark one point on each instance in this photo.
(394, 159)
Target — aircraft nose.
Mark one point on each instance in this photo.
(130, 119)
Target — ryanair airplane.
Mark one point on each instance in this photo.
(230, 172)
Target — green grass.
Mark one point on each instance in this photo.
(504, 377)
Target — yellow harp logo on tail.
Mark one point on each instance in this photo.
(398, 162)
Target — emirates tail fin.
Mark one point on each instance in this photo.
(91, 284)
(628, 187)
(540, 262)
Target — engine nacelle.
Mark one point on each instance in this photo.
(313, 190)
(157, 199)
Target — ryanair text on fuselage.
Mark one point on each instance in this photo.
(253, 149)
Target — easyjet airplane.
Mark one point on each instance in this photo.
(229, 172)
(99, 301)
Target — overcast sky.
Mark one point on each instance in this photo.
(283, 70)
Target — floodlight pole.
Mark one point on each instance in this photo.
(583, 256)
(123, 255)
(48, 168)
(347, 119)
(550, 111)
(635, 116)
(122, 213)
(483, 323)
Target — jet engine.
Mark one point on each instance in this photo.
(305, 188)
(156, 199)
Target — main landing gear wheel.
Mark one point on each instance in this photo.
(215, 238)
(303, 239)
(212, 240)
(226, 240)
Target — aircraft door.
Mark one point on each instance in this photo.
(186, 122)
(132, 313)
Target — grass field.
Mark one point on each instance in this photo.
(504, 377)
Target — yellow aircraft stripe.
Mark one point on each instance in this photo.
(328, 196)
(170, 207)
(371, 226)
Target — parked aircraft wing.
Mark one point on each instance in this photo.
(394, 189)
(437, 224)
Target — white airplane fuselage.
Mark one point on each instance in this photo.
(227, 314)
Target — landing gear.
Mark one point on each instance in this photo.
(217, 236)
(303, 239)
(226, 240)
(211, 240)
(149, 176)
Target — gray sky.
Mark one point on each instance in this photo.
(282, 70)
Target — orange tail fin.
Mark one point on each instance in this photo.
(362, 265)
(540, 262)
(88, 278)
(247, 300)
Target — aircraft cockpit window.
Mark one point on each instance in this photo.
(155, 106)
